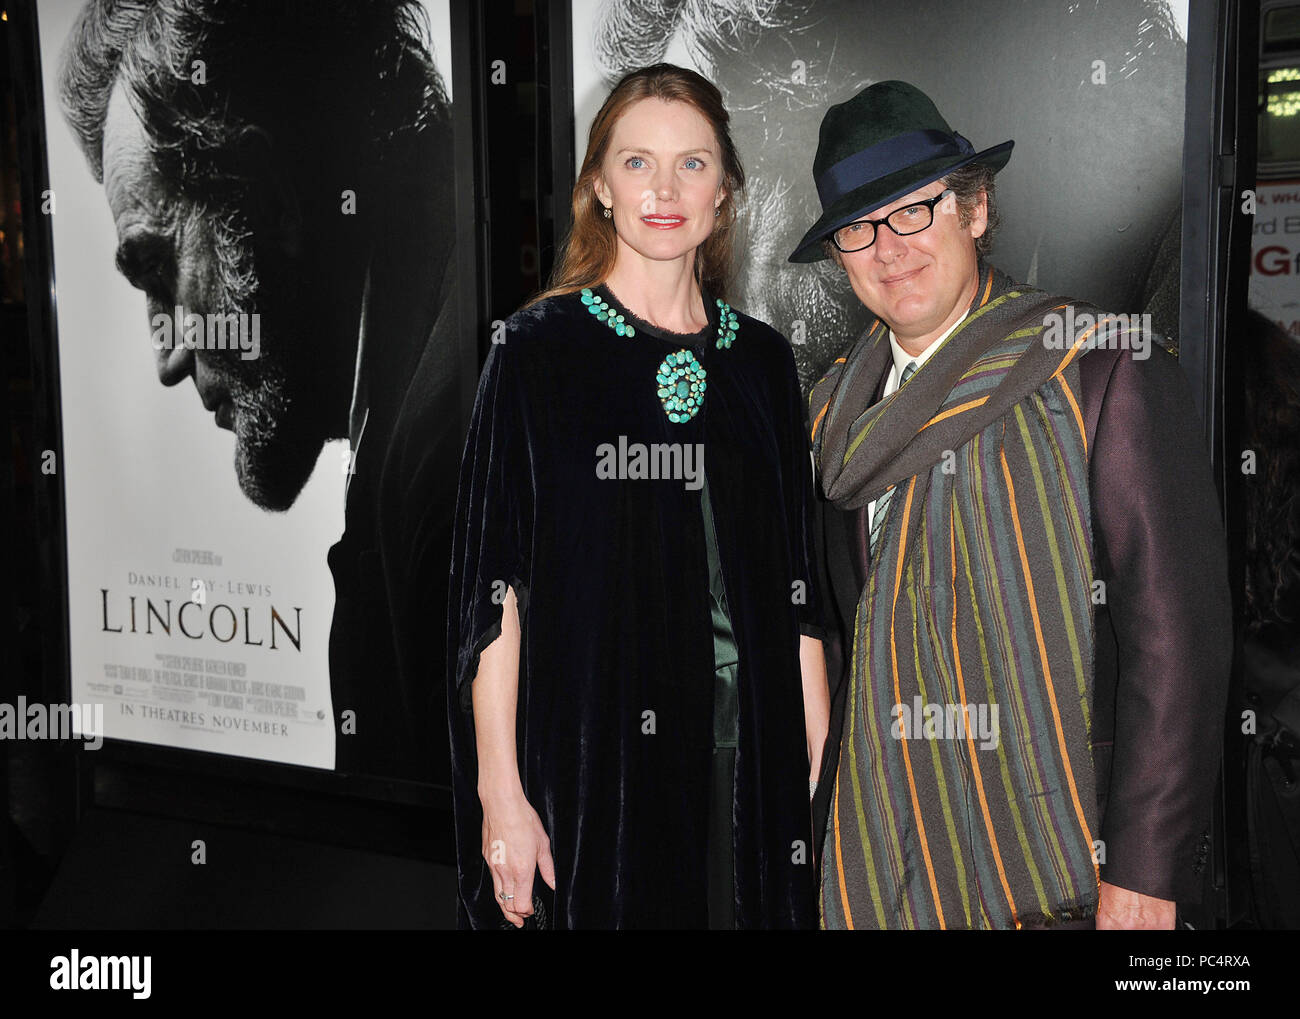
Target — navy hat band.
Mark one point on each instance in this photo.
(886, 157)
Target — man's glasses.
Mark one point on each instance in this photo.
(909, 219)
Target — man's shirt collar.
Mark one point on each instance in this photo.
(902, 358)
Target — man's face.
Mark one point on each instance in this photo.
(922, 283)
(198, 259)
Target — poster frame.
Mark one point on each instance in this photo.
(130, 775)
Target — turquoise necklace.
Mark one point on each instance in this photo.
(681, 378)
(605, 312)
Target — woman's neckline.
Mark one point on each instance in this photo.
(683, 339)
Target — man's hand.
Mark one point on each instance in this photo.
(1123, 910)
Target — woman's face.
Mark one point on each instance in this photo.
(662, 180)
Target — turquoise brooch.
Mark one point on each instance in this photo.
(682, 383)
(727, 325)
(604, 312)
(681, 377)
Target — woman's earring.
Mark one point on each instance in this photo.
(717, 211)
(608, 214)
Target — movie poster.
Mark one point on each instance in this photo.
(1091, 93)
(1275, 253)
(251, 214)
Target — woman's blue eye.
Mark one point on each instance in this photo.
(635, 160)
(698, 164)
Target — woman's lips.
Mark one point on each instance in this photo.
(663, 222)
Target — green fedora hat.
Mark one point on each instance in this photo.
(882, 144)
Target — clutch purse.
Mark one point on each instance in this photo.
(539, 921)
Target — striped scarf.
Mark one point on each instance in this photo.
(965, 792)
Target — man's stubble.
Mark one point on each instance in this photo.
(280, 424)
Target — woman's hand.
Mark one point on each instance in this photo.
(514, 846)
(514, 841)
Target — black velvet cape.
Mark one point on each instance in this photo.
(613, 588)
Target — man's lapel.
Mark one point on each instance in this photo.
(884, 380)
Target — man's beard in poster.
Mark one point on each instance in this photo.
(812, 304)
(278, 428)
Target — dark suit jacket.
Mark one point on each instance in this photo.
(1163, 633)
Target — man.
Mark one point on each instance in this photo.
(1026, 558)
(285, 161)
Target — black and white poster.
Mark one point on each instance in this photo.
(1091, 91)
(251, 208)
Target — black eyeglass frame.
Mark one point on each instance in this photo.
(876, 224)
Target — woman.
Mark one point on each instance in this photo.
(633, 628)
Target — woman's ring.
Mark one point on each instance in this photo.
(505, 897)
